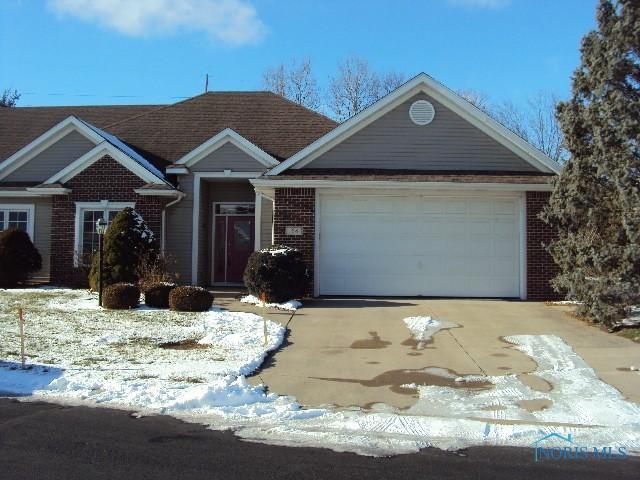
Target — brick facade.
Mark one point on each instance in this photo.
(540, 266)
(296, 207)
(106, 179)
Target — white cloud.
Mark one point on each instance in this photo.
(231, 21)
(488, 4)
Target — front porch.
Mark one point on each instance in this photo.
(233, 221)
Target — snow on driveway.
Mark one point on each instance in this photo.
(114, 358)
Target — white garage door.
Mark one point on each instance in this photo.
(459, 246)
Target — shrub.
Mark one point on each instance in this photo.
(121, 296)
(19, 258)
(190, 299)
(157, 294)
(277, 273)
(127, 241)
(154, 269)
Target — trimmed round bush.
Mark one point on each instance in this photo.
(190, 299)
(19, 258)
(120, 296)
(276, 274)
(157, 294)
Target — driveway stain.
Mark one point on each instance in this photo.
(406, 382)
(416, 344)
(371, 343)
(414, 354)
(535, 405)
(535, 382)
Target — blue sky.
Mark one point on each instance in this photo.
(74, 52)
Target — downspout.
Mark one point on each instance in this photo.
(163, 238)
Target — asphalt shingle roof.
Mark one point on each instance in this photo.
(163, 134)
(21, 125)
(276, 125)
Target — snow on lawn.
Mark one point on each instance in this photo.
(113, 358)
(291, 305)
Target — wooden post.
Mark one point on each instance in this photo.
(266, 334)
(20, 314)
(263, 299)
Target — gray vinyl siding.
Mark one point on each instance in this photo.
(41, 230)
(178, 232)
(228, 157)
(53, 159)
(448, 143)
(266, 223)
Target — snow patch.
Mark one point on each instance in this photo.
(424, 328)
(291, 305)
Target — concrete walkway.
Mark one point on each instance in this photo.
(358, 352)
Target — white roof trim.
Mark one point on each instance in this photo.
(159, 192)
(49, 190)
(44, 141)
(225, 136)
(262, 183)
(177, 170)
(95, 154)
(422, 83)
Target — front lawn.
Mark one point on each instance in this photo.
(144, 358)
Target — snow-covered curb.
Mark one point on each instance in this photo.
(290, 306)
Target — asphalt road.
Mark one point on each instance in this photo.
(44, 441)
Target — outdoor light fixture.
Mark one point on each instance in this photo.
(101, 228)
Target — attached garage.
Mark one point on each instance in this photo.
(442, 244)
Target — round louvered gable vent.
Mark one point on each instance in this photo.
(422, 112)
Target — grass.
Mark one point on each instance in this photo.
(632, 334)
(64, 327)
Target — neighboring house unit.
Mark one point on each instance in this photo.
(419, 194)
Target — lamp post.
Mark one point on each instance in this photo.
(101, 228)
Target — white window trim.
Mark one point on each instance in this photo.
(104, 205)
(22, 207)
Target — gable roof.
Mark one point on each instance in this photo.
(422, 83)
(19, 126)
(274, 124)
(222, 138)
(105, 143)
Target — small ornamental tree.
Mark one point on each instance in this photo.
(595, 205)
(127, 242)
(19, 258)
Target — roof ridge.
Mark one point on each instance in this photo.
(300, 106)
(162, 107)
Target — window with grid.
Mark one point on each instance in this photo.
(88, 234)
(12, 217)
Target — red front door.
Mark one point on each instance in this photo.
(234, 243)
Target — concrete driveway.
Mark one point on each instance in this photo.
(359, 352)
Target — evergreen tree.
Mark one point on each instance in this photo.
(595, 204)
(127, 242)
(19, 258)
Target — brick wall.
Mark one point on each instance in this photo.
(296, 207)
(540, 266)
(106, 179)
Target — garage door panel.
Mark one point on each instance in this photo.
(419, 245)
